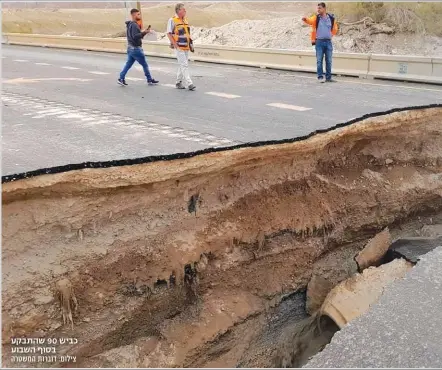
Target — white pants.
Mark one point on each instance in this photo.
(183, 74)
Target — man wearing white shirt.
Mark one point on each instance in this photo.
(178, 32)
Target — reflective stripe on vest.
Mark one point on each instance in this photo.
(181, 33)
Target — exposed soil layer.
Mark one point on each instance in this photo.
(196, 262)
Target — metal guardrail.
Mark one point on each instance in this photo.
(398, 67)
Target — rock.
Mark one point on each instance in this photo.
(41, 300)
(86, 319)
(388, 161)
(372, 175)
(431, 231)
(119, 357)
(374, 251)
(381, 28)
(55, 326)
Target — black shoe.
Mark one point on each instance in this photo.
(192, 87)
(153, 82)
(180, 86)
(121, 82)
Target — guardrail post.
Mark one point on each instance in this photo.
(368, 76)
(433, 73)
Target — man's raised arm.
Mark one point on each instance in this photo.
(310, 20)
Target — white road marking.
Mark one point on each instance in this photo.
(193, 133)
(40, 108)
(168, 85)
(47, 111)
(34, 80)
(134, 79)
(21, 60)
(57, 113)
(101, 121)
(53, 113)
(223, 95)
(225, 141)
(193, 139)
(288, 106)
(43, 64)
(72, 115)
(68, 67)
(99, 73)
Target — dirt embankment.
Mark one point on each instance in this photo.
(189, 262)
(251, 24)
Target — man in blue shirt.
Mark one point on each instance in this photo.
(135, 51)
(324, 27)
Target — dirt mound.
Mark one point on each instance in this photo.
(284, 33)
(290, 33)
(180, 261)
(245, 24)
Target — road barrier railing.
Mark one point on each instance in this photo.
(394, 67)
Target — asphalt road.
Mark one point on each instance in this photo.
(402, 330)
(62, 107)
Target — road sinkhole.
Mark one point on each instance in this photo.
(232, 257)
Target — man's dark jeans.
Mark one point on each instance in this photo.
(324, 47)
(135, 54)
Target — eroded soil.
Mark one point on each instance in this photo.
(196, 262)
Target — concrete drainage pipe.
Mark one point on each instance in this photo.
(354, 296)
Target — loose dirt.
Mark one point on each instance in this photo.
(203, 261)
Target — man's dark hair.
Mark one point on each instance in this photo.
(133, 11)
(322, 5)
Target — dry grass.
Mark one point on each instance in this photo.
(420, 18)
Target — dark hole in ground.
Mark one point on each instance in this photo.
(160, 284)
